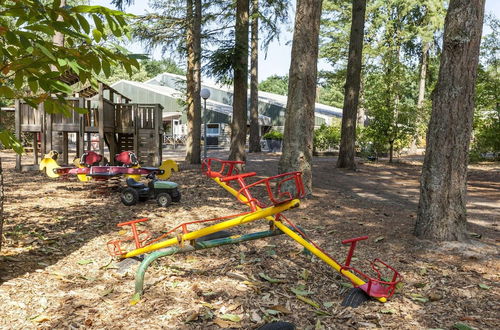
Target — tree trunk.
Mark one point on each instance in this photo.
(352, 86)
(240, 116)
(443, 184)
(193, 82)
(299, 115)
(58, 38)
(254, 82)
(391, 150)
(421, 88)
(1, 204)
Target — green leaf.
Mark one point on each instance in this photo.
(231, 317)
(419, 298)
(462, 326)
(6, 92)
(272, 312)
(328, 304)
(106, 68)
(270, 279)
(346, 284)
(378, 239)
(46, 52)
(9, 141)
(83, 23)
(85, 261)
(98, 23)
(387, 311)
(18, 80)
(62, 87)
(484, 286)
(97, 35)
(301, 292)
(308, 301)
(33, 85)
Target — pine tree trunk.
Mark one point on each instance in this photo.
(391, 150)
(352, 86)
(254, 82)
(421, 88)
(299, 116)
(193, 82)
(240, 116)
(443, 184)
(1, 204)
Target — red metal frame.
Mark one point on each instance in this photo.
(226, 175)
(374, 287)
(114, 246)
(226, 167)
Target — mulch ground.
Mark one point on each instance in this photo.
(55, 271)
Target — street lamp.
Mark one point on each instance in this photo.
(205, 94)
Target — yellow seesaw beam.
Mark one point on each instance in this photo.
(260, 214)
(318, 253)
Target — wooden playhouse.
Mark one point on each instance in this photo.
(111, 124)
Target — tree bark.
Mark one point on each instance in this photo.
(240, 116)
(352, 86)
(299, 116)
(58, 38)
(1, 204)
(193, 82)
(254, 82)
(443, 184)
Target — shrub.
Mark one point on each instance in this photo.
(273, 135)
(327, 137)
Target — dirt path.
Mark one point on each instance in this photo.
(55, 271)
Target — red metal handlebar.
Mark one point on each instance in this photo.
(237, 176)
(361, 238)
(353, 242)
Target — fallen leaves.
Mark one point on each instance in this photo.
(270, 279)
(85, 261)
(308, 301)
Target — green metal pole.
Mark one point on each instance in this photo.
(141, 271)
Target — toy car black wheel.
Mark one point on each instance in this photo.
(176, 196)
(163, 199)
(129, 196)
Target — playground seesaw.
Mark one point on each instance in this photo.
(87, 167)
(267, 199)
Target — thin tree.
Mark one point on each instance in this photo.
(254, 143)
(352, 86)
(177, 25)
(240, 116)
(193, 81)
(443, 184)
(299, 116)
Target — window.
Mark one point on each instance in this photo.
(213, 129)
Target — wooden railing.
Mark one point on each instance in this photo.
(118, 115)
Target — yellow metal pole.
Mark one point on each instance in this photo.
(332, 263)
(260, 214)
(318, 253)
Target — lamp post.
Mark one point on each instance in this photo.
(205, 94)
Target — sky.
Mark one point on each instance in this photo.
(277, 61)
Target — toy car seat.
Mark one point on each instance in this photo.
(90, 158)
(127, 159)
(134, 184)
